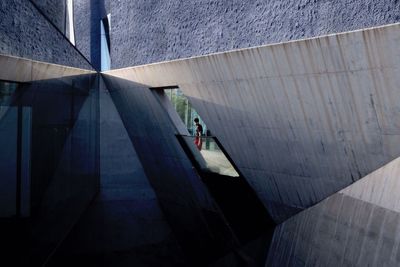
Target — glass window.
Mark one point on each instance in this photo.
(205, 149)
(105, 43)
(15, 133)
(185, 110)
(69, 22)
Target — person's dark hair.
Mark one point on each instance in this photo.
(196, 119)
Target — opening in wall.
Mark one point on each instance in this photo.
(205, 149)
(185, 111)
(237, 200)
(69, 21)
(105, 44)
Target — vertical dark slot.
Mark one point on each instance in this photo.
(19, 159)
(107, 32)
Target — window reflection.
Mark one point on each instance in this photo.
(69, 21)
(15, 133)
(185, 110)
(105, 43)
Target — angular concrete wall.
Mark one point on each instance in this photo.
(24, 70)
(154, 31)
(124, 226)
(64, 158)
(302, 119)
(190, 211)
(26, 33)
(87, 16)
(55, 10)
(358, 226)
(53, 116)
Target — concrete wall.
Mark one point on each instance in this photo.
(301, 120)
(26, 33)
(8, 162)
(124, 226)
(190, 211)
(53, 115)
(64, 158)
(55, 10)
(151, 31)
(87, 18)
(358, 226)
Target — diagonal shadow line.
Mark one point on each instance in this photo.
(59, 31)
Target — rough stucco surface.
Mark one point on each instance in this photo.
(87, 15)
(146, 31)
(26, 33)
(54, 10)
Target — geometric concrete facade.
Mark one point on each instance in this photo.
(26, 33)
(160, 30)
(358, 226)
(92, 172)
(302, 119)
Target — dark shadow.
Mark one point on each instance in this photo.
(197, 223)
(98, 11)
(194, 216)
(57, 163)
(124, 225)
(239, 203)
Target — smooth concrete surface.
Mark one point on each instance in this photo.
(65, 158)
(379, 188)
(124, 226)
(51, 135)
(302, 119)
(159, 30)
(18, 69)
(218, 163)
(358, 226)
(8, 157)
(192, 214)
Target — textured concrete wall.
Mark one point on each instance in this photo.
(359, 226)
(26, 33)
(151, 31)
(87, 16)
(55, 10)
(301, 120)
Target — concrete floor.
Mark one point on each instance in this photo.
(217, 162)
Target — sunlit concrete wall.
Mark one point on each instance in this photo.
(302, 119)
(358, 226)
(152, 31)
